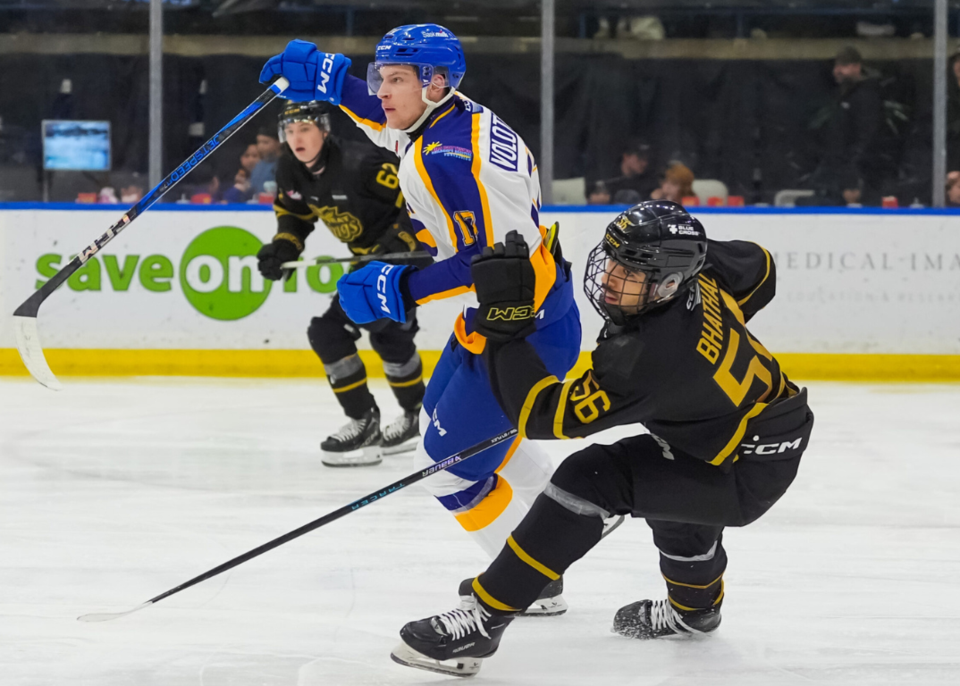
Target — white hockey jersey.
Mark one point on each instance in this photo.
(468, 180)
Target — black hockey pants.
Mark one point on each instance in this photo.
(687, 502)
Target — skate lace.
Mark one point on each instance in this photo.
(398, 427)
(663, 616)
(458, 623)
(351, 430)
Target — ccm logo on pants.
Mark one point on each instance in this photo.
(770, 448)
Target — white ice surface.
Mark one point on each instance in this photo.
(112, 492)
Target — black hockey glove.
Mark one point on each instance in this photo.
(505, 281)
(285, 248)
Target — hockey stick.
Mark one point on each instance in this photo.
(304, 264)
(25, 317)
(315, 524)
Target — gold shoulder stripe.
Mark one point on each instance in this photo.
(375, 125)
(531, 399)
(425, 177)
(561, 409)
(762, 281)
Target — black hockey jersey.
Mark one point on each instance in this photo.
(689, 371)
(357, 195)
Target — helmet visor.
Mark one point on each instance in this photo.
(321, 121)
(424, 72)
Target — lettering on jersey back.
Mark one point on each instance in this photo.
(504, 151)
(711, 336)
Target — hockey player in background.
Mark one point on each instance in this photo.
(468, 180)
(727, 428)
(354, 189)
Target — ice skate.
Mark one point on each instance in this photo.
(454, 643)
(646, 619)
(401, 435)
(549, 603)
(356, 444)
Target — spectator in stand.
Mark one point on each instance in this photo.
(132, 194)
(849, 128)
(953, 114)
(677, 184)
(108, 196)
(635, 171)
(268, 145)
(205, 186)
(953, 189)
(250, 158)
(239, 192)
(241, 189)
(849, 190)
(598, 194)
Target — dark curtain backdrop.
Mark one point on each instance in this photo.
(743, 122)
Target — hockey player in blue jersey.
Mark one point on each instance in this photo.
(468, 180)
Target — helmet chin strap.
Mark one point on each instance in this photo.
(431, 106)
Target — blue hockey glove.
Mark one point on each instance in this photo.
(313, 75)
(373, 292)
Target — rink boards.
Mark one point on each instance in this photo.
(861, 294)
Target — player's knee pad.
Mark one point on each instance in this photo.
(590, 483)
(332, 340)
(394, 344)
(529, 470)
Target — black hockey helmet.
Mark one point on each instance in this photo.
(313, 111)
(657, 239)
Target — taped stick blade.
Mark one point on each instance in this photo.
(31, 352)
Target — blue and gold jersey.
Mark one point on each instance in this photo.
(468, 180)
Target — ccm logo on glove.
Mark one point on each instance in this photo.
(511, 314)
(326, 67)
(382, 287)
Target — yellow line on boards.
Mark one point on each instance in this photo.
(304, 364)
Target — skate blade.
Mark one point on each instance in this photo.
(404, 447)
(408, 657)
(546, 607)
(368, 456)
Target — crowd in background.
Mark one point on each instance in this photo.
(854, 133)
(858, 156)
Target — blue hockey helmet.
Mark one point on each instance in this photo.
(431, 48)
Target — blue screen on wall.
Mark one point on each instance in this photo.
(76, 145)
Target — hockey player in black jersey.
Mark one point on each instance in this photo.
(354, 189)
(727, 428)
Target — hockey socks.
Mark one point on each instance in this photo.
(348, 379)
(548, 540)
(695, 581)
(406, 382)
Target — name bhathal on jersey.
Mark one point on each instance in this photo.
(711, 337)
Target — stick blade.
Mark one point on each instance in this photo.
(31, 352)
(108, 616)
